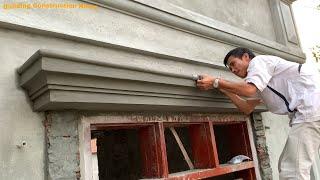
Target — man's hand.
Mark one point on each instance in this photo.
(205, 82)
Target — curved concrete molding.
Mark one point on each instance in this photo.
(57, 81)
(162, 13)
(289, 2)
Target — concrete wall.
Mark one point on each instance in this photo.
(18, 122)
(276, 131)
(90, 33)
(241, 14)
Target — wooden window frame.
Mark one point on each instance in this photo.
(204, 148)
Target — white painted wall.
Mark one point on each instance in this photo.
(276, 129)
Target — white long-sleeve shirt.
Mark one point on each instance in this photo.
(301, 89)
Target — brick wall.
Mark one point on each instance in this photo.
(261, 146)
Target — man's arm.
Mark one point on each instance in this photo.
(246, 106)
(238, 88)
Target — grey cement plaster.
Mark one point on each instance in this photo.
(276, 129)
(200, 25)
(240, 14)
(17, 122)
(117, 86)
(289, 2)
(288, 23)
(146, 35)
(62, 145)
(278, 23)
(109, 26)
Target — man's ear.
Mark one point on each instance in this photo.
(246, 57)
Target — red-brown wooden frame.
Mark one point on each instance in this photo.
(153, 151)
(203, 144)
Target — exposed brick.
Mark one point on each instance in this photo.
(262, 150)
(257, 116)
(260, 133)
(62, 145)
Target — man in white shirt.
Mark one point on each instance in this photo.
(285, 88)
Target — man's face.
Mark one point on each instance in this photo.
(239, 66)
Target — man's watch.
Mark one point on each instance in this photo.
(216, 83)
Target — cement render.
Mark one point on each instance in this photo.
(114, 27)
(241, 14)
(63, 145)
(18, 123)
(277, 130)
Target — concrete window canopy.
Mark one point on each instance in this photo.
(58, 81)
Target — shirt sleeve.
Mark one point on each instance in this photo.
(259, 72)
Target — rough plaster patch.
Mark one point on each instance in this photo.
(62, 145)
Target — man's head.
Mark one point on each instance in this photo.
(237, 60)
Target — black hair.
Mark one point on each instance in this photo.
(238, 52)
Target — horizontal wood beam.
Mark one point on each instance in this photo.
(205, 173)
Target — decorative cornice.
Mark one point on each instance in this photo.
(289, 2)
(57, 81)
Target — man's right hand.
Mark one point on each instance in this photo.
(205, 82)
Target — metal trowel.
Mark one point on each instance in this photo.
(238, 159)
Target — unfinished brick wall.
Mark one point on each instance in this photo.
(261, 146)
(62, 145)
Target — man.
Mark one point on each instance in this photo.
(285, 88)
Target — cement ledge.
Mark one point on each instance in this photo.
(58, 81)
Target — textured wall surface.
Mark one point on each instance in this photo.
(262, 149)
(114, 27)
(241, 14)
(62, 145)
(18, 122)
(276, 130)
